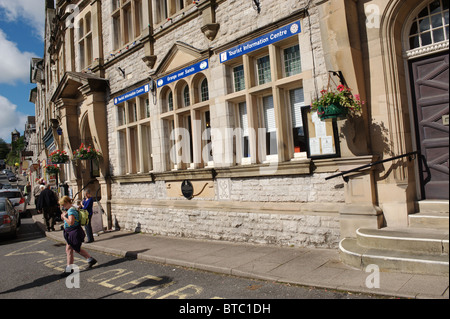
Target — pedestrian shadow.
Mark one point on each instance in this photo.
(36, 283)
(129, 255)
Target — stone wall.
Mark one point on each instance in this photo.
(298, 211)
(302, 230)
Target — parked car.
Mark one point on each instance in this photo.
(11, 177)
(16, 197)
(9, 218)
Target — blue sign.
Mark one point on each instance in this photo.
(129, 95)
(260, 42)
(200, 66)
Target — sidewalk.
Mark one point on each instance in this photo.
(307, 267)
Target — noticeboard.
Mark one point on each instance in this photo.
(321, 136)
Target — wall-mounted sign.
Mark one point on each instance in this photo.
(129, 95)
(187, 189)
(192, 69)
(260, 42)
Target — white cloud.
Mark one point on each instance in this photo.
(32, 12)
(15, 65)
(11, 119)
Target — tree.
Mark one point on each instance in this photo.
(16, 148)
(4, 149)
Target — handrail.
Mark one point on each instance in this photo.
(372, 164)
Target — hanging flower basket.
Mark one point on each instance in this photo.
(52, 169)
(332, 111)
(337, 104)
(86, 153)
(59, 157)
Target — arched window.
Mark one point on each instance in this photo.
(204, 94)
(430, 26)
(170, 101)
(186, 96)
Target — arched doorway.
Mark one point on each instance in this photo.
(89, 168)
(426, 39)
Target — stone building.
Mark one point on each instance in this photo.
(200, 110)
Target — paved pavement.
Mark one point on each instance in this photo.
(307, 267)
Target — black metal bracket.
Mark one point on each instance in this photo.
(257, 5)
(339, 75)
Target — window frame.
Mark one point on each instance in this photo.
(85, 44)
(127, 22)
(185, 119)
(134, 136)
(254, 94)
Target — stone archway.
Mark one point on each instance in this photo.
(80, 99)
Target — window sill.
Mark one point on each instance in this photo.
(299, 167)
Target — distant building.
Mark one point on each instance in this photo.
(15, 135)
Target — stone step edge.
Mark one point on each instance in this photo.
(389, 236)
(363, 254)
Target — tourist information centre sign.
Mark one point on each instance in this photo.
(261, 42)
(129, 95)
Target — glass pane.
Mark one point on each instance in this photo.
(264, 70)
(436, 20)
(424, 24)
(438, 35)
(435, 6)
(414, 42)
(423, 13)
(269, 114)
(445, 5)
(239, 82)
(116, 36)
(120, 115)
(186, 97)
(413, 28)
(243, 118)
(204, 90)
(426, 38)
(446, 17)
(170, 101)
(115, 4)
(297, 101)
(292, 60)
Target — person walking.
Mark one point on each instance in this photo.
(48, 204)
(73, 234)
(37, 191)
(27, 192)
(87, 204)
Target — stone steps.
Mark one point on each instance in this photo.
(416, 240)
(433, 220)
(430, 214)
(358, 256)
(421, 248)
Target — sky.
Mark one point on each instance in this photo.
(21, 38)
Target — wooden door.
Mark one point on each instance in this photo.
(430, 91)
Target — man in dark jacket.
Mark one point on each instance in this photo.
(48, 204)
